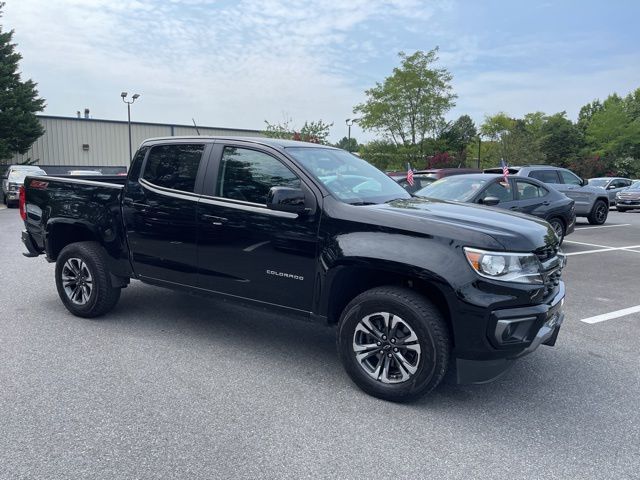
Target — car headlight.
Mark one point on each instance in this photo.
(504, 266)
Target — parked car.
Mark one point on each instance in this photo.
(612, 185)
(591, 202)
(435, 173)
(412, 284)
(629, 198)
(13, 178)
(419, 181)
(524, 195)
(77, 173)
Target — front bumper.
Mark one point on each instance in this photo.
(515, 332)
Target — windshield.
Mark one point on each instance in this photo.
(347, 177)
(18, 176)
(598, 182)
(635, 186)
(457, 188)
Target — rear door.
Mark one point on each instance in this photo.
(531, 198)
(246, 249)
(159, 210)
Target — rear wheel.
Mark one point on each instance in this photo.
(599, 213)
(83, 280)
(558, 227)
(393, 343)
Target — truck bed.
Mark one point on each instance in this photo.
(88, 207)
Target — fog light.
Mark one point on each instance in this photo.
(513, 330)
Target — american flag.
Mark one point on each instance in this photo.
(505, 170)
(409, 175)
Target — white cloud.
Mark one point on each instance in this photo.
(227, 65)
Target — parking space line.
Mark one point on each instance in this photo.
(611, 315)
(605, 226)
(608, 249)
(588, 244)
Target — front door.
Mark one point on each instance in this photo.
(159, 209)
(246, 249)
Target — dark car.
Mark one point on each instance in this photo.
(629, 198)
(419, 181)
(518, 194)
(591, 202)
(413, 285)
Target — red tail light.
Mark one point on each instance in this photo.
(23, 199)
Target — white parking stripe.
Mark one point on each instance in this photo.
(605, 226)
(588, 244)
(608, 249)
(611, 315)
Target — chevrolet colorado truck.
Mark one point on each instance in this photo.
(414, 286)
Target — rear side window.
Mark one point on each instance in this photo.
(174, 166)
(569, 178)
(545, 176)
(248, 175)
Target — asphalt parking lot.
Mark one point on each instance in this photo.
(175, 386)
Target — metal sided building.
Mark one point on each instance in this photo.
(88, 142)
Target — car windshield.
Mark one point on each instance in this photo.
(349, 178)
(458, 188)
(635, 186)
(598, 182)
(18, 176)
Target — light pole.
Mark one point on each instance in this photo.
(349, 122)
(479, 143)
(134, 97)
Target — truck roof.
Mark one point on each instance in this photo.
(271, 142)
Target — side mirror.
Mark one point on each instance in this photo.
(490, 201)
(611, 187)
(584, 182)
(286, 199)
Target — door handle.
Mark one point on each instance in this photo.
(514, 208)
(545, 203)
(213, 219)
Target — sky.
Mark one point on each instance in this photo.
(238, 63)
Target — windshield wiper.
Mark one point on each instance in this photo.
(362, 203)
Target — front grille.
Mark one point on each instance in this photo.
(547, 252)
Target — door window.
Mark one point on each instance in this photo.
(173, 166)
(501, 190)
(527, 190)
(248, 175)
(545, 176)
(569, 178)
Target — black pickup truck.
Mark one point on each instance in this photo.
(415, 286)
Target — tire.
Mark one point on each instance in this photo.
(558, 227)
(416, 328)
(83, 280)
(599, 213)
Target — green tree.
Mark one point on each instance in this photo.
(314, 132)
(560, 140)
(19, 101)
(410, 104)
(348, 144)
(613, 132)
(457, 136)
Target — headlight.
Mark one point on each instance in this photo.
(506, 267)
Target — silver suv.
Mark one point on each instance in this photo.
(13, 178)
(591, 201)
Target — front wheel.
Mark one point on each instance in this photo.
(83, 280)
(393, 343)
(599, 213)
(558, 227)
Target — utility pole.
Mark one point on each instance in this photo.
(479, 143)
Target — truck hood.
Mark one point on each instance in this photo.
(514, 231)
